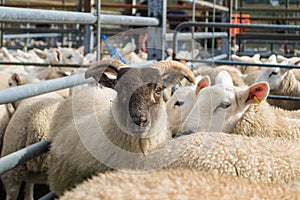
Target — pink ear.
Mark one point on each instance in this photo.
(260, 90)
(204, 82)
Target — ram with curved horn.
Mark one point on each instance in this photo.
(94, 131)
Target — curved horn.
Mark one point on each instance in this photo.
(96, 69)
(166, 65)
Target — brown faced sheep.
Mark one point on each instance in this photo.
(175, 184)
(111, 129)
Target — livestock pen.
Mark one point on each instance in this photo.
(16, 15)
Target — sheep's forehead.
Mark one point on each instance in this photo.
(138, 80)
(184, 93)
(218, 93)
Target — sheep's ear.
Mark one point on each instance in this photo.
(43, 73)
(272, 59)
(15, 77)
(204, 82)
(80, 50)
(40, 53)
(255, 93)
(224, 78)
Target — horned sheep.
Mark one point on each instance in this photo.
(134, 121)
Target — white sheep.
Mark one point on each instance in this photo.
(267, 160)
(247, 69)
(212, 72)
(127, 52)
(132, 122)
(224, 107)
(175, 184)
(29, 124)
(181, 102)
(282, 81)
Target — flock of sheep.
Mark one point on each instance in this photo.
(126, 136)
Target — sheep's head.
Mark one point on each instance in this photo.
(139, 101)
(221, 106)
(275, 75)
(183, 100)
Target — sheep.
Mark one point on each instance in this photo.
(282, 82)
(29, 124)
(61, 56)
(267, 160)
(181, 102)
(175, 184)
(224, 107)
(139, 129)
(127, 52)
(6, 111)
(246, 69)
(212, 73)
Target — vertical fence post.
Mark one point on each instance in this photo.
(156, 43)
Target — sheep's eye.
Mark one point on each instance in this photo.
(178, 103)
(224, 105)
(273, 73)
(70, 56)
(158, 90)
(10, 84)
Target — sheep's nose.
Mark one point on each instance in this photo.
(140, 120)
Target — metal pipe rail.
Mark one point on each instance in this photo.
(26, 15)
(31, 35)
(226, 25)
(14, 159)
(197, 35)
(29, 90)
(43, 64)
(226, 62)
(290, 98)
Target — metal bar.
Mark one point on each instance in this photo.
(49, 196)
(24, 91)
(209, 5)
(8, 14)
(256, 9)
(225, 62)
(128, 20)
(291, 98)
(227, 25)
(43, 64)
(31, 35)
(197, 35)
(98, 32)
(26, 15)
(14, 159)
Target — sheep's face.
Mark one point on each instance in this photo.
(139, 100)
(183, 100)
(274, 76)
(179, 105)
(220, 107)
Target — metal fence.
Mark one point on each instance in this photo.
(11, 15)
